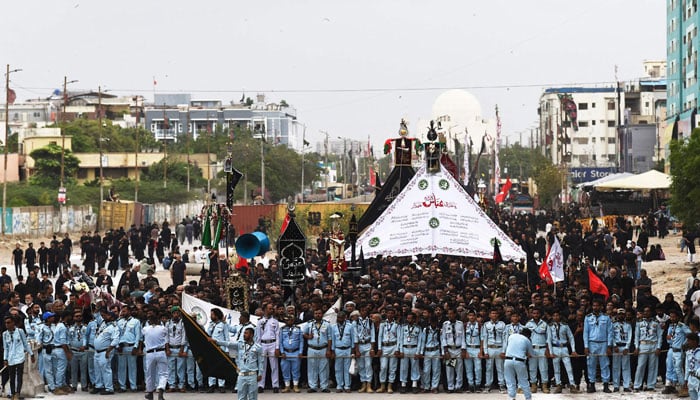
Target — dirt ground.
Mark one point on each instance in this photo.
(667, 276)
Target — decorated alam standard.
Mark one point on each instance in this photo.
(429, 291)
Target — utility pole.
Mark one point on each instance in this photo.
(208, 132)
(166, 127)
(7, 134)
(303, 147)
(262, 167)
(136, 153)
(325, 160)
(187, 148)
(63, 146)
(99, 126)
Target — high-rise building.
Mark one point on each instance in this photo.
(682, 22)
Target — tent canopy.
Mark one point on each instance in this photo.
(649, 180)
(604, 179)
(433, 214)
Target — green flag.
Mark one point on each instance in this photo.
(217, 233)
(206, 232)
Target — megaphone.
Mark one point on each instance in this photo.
(253, 244)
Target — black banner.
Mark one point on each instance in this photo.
(211, 359)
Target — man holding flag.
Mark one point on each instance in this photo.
(552, 269)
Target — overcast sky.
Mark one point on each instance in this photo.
(352, 68)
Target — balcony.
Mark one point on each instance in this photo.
(165, 134)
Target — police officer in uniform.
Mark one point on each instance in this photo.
(432, 355)
(597, 342)
(60, 354)
(676, 337)
(472, 349)
(492, 332)
(15, 345)
(538, 338)
(155, 363)
(177, 360)
(130, 337)
(518, 349)
(106, 340)
(559, 336)
(250, 364)
(218, 330)
(291, 344)
(90, 333)
(452, 343)
(342, 343)
(78, 344)
(267, 332)
(317, 334)
(692, 365)
(648, 337)
(388, 350)
(410, 341)
(236, 332)
(622, 341)
(364, 348)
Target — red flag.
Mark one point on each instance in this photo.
(544, 269)
(596, 285)
(372, 177)
(242, 264)
(284, 224)
(11, 96)
(505, 190)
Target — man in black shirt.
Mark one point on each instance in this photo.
(29, 257)
(17, 257)
(43, 252)
(177, 270)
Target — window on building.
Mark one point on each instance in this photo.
(593, 122)
(612, 158)
(82, 173)
(611, 124)
(646, 104)
(53, 143)
(566, 124)
(611, 105)
(641, 159)
(592, 105)
(583, 106)
(611, 140)
(592, 140)
(583, 124)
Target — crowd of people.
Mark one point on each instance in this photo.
(407, 324)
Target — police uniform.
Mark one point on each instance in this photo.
(647, 340)
(622, 339)
(559, 336)
(519, 348)
(510, 330)
(176, 345)
(250, 364)
(15, 345)
(388, 344)
(676, 340)
(58, 355)
(236, 332)
(410, 340)
(432, 352)
(90, 333)
(317, 363)
(130, 336)
(692, 372)
(45, 338)
(267, 332)
(492, 343)
(472, 348)
(218, 331)
(452, 342)
(538, 339)
(79, 363)
(291, 345)
(342, 344)
(106, 337)
(597, 337)
(365, 335)
(155, 362)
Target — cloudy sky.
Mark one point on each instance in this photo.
(352, 68)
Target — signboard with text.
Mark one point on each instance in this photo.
(581, 175)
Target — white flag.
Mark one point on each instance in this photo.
(555, 261)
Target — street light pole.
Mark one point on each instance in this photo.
(262, 167)
(63, 145)
(99, 127)
(7, 134)
(136, 153)
(303, 147)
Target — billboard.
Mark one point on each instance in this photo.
(581, 175)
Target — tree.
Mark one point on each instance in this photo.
(522, 162)
(685, 171)
(177, 171)
(47, 166)
(549, 184)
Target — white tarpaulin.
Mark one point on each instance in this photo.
(649, 180)
(433, 214)
(201, 310)
(604, 179)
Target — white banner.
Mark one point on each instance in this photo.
(555, 261)
(201, 310)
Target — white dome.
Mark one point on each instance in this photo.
(464, 112)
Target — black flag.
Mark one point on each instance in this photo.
(363, 264)
(210, 358)
(232, 179)
(497, 257)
